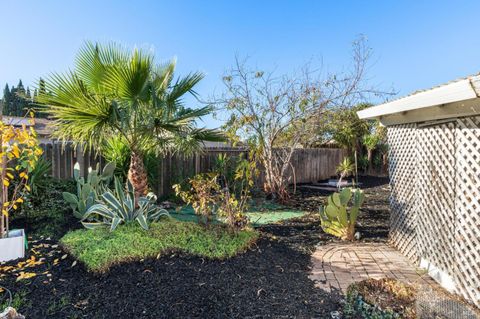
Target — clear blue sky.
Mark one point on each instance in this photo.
(417, 44)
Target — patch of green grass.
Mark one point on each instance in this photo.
(99, 249)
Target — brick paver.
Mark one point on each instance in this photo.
(337, 265)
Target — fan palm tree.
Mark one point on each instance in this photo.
(118, 93)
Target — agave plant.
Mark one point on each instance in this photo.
(337, 218)
(88, 191)
(118, 207)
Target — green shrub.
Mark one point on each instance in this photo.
(224, 192)
(38, 175)
(363, 163)
(203, 195)
(44, 212)
(236, 176)
(98, 249)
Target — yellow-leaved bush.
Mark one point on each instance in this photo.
(19, 154)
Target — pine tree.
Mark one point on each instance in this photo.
(6, 93)
(40, 108)
(8, 107)
(6, 99)
(18, 100)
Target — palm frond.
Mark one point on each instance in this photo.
(163, 76)
(130, 79)
(118, 92)
(183, 86)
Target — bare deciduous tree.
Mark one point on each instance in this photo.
(272, 112)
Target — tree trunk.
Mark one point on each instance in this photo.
(137, 175)
(369, 159)
(385, 163)
(3, 190)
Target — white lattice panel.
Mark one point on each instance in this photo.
(435, 201)
(435, 187)
(467, 239)
(402, 162)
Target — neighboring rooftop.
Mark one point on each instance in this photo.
(42, 126)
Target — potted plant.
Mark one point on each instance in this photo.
(18, 156)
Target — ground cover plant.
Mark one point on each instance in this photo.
(99, 249)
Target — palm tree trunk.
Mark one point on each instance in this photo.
(137, 175)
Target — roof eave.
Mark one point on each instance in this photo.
(462, 90)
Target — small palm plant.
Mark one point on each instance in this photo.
(345, 168)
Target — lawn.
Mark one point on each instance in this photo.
(99, 249)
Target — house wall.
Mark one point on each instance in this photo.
(435, 200)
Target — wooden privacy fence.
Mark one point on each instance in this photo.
(310, 165)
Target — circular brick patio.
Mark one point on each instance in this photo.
(337, 265)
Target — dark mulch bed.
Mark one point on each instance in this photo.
(373, 220)
(268, 281)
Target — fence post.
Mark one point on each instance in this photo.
(81, 159)
(55, 160)
(197, 163)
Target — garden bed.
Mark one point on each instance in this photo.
(269, 280)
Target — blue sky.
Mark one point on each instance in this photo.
(416, 44)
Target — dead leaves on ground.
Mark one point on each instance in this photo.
(26, 269)
(25, 275)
